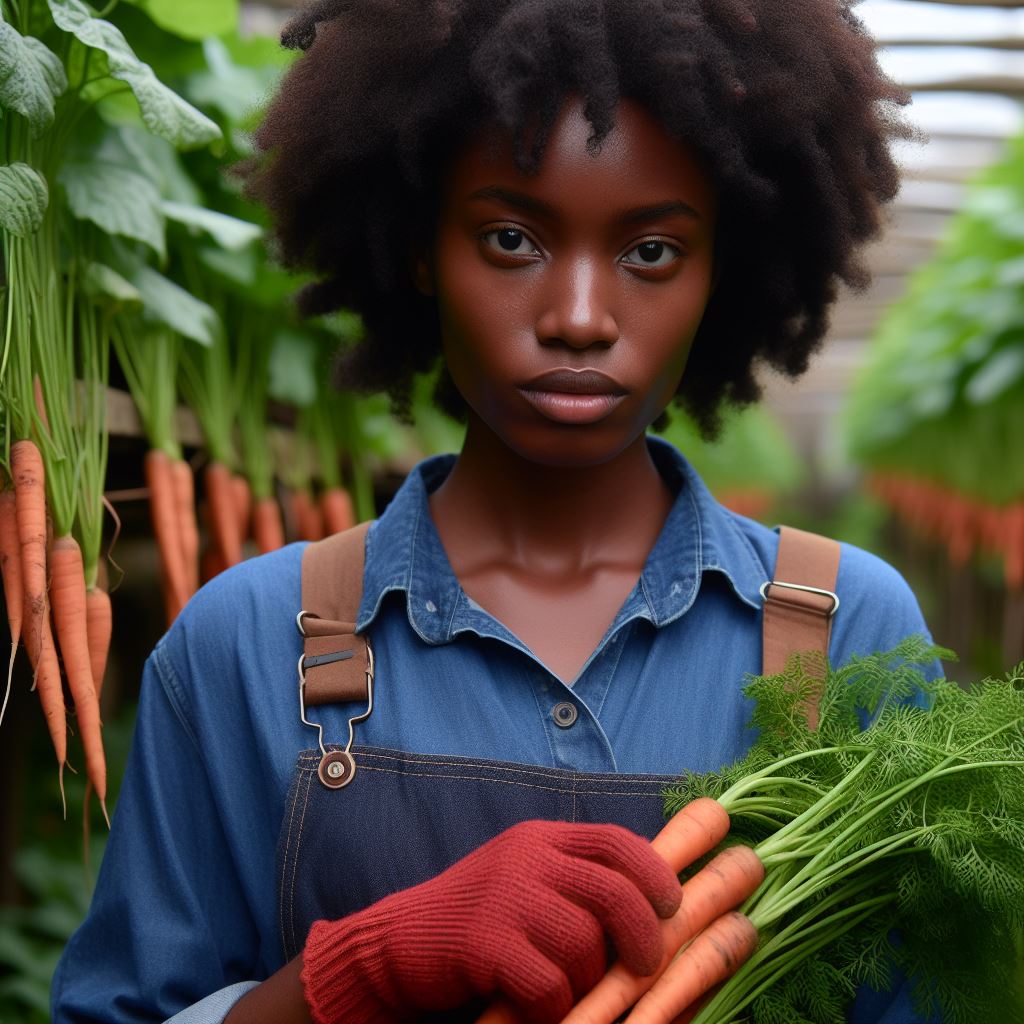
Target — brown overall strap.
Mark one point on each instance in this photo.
(334, 658)
(800, 601)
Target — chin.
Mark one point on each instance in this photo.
(569, 447)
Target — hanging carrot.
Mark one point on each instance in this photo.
(30, 502)
(10, 569)
(267, 528)
(336, 509)
(164, 516)
(308, 519)
(243, 504)
(98, 627)
(222, 506)
(188, 529)
(67, 596)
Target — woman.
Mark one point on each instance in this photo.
(591, 208)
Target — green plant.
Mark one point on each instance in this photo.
(914, 823)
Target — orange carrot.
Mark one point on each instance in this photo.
(98, 627)
(243, 504)
(10, 570)
(267, 528)
(30, 505)
(188, 529)
(720, 886)
(307, 515)
(67, 596)
(714, 955)
(223, 514)
(163, 514)
(336, 507)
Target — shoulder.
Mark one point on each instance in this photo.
(877, 607)
(240, 620)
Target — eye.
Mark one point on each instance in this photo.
(510, 241)
(653, 254)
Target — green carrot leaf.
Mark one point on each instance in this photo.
(164, 112)
(23, 199)
(31, 77)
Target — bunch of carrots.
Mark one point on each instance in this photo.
(961, 523)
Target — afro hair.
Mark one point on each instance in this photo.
(783, 99)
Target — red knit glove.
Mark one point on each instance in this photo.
(525, 916)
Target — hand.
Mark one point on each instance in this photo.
(525, 916)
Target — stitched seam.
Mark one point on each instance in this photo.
(284, 867)
(307, 763)
(621, 645)
(502, 782)
(295, 863)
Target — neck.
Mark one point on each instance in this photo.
(548, 518)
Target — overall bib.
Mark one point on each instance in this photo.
(361, 822)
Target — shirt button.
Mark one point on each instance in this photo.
(565, 714)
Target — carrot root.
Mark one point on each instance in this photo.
(337, 511)
(222, 504)
(163, 514)
(10, 571)
(67, 595)
(98, 627)
(267, 528)
(188, 529)
(714, 955)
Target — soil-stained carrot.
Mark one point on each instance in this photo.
(188, 528)
(336, 508)
(67, 596)
(98, 626)
(243, 505)
(714, 955)
(267, 528)
(10, 570)
(223, 513)
(164, 516)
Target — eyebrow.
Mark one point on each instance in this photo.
(531, 204)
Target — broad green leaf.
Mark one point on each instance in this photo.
(235, 90)
(995, 376)
(164, 112)
(31, 77)
(239, 268)
(160, 162)
(101, 282)
(228, 232)
(168, 303)
(193, 19)
(23, 199)
(115, 198)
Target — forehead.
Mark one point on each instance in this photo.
(637, 164)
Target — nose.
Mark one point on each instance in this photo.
(577, 308)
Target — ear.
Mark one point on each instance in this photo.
(422, 268)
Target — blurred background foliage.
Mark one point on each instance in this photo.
(934, 422)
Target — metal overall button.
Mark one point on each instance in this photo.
(336, 769)
(565, 715)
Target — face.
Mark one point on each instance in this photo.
(569, 299)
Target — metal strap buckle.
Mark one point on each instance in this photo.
(337, 768)
(806, 590)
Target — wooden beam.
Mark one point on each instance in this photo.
(1012, 43)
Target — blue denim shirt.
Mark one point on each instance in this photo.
(184, 917)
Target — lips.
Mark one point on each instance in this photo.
(575, 382)
(574, 397)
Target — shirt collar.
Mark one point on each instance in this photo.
(404, 552)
